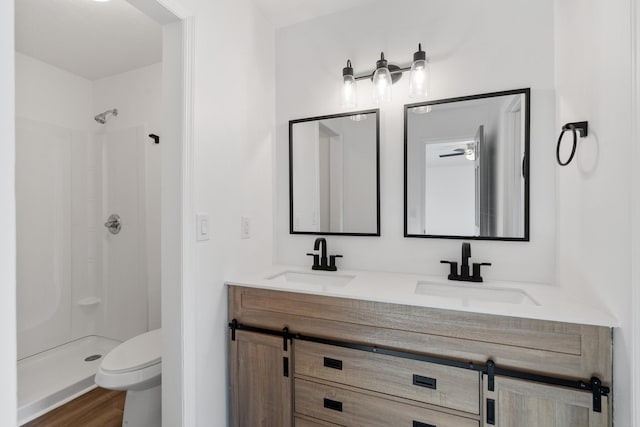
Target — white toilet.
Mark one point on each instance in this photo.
(135, 366)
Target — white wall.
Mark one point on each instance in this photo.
(307, 214)
(51, 95)
(593, 82)
(453, 186)
(137, 95)
(232, 177)
(8, 393)
(474, 47)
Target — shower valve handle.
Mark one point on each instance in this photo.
(113, 224)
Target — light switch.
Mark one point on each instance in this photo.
(202, 227)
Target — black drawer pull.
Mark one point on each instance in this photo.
(424, 382)
(332, 363)
(419, 424)
(333, 405)
(491, 411)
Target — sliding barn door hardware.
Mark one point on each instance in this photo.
(594, 385)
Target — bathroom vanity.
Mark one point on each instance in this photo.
(376, 349)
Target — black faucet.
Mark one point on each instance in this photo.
(464, 268)
(320, 260)
(466, 254)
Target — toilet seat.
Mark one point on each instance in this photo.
(134, 364)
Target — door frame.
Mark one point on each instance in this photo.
(177, 212)
(178, 370)
(635, 212)
(8, 367)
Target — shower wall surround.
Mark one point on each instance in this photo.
(491, 46)
(52, 136)
(62, 159)
(138, 96)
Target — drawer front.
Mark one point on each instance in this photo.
(440, 385)
(349, 408)
(306, 422)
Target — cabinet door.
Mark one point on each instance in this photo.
(260, 384)
(520, 403)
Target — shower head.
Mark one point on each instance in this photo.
(102, 117)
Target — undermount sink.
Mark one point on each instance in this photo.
(324, 280)
(475, 294)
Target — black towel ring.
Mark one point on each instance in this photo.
(576, 128)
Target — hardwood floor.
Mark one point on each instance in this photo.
(98, 408)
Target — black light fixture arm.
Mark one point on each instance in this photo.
(393, 69)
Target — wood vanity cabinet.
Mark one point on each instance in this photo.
(260, 391)
(529, 404)
(351, 362)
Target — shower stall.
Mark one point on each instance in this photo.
(82, 280)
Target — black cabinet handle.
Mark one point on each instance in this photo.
(333, 405)
(491, 411)
(419, 424)
(426, 382)
(332, 363)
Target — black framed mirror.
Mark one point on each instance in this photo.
(334, 174)
(466, 167)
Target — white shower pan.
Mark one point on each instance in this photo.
(54, 377)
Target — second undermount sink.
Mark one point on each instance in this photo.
(322, 280)
(474, 294)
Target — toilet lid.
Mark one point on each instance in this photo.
(137, 353)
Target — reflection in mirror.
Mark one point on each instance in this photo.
(466, 174)
(333, 174)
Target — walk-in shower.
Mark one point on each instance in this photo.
(81, 289)
(102, 117)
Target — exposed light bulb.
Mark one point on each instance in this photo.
(419, 76)
(382, 82)
(348, 91)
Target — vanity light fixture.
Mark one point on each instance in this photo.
(348, 98)
(382, 81)
(383, 77)
(418, 78)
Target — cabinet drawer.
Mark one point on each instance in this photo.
(440, 385)
(307, 422)
(349, 408)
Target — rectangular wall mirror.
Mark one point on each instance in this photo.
(334, 178)
(466, 167)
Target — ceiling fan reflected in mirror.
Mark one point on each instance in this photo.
(469, 152)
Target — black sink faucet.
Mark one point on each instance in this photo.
(466, 254)
(320, 260)
(464, 268)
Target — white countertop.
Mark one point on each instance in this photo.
(550, 302)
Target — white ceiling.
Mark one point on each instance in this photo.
(88, 38)
(282, 13)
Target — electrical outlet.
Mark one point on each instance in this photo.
(245, 227)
